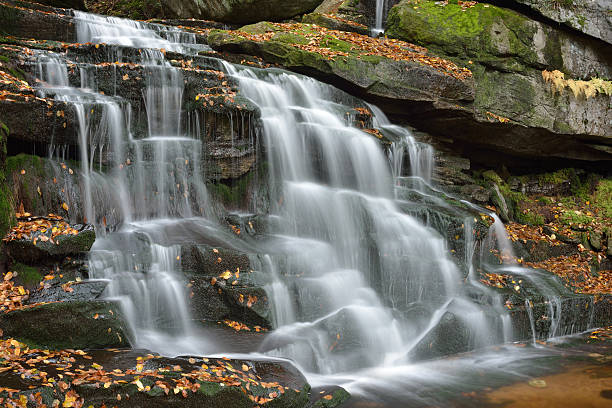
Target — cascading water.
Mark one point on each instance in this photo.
(379, 25)
(151, 179)
(358, 284)
(372, 280)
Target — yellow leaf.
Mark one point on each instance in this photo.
(65, 206)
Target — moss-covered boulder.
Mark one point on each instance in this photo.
(139, 378)
(513, 59)
(500, 38)
(239, 11)
(398, 73)
(75, 325)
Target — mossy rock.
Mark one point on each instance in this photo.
(60, 325)
(30, 253)
(368, 76)
(493, 36)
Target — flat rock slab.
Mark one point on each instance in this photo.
(137, 378)
(75, 325)
(32, 249)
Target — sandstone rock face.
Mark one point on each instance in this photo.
(240, 11)
(592, 17)
(368, 76)
(507, 53)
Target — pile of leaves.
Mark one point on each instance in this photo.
(526, 233)
(11, 296)
(360, 45)
(44, 229)
(238, 326)
(12, 83)
(575, 271)
(497, 280)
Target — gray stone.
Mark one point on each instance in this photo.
(592, 17)
(60, 325)
(239, 11)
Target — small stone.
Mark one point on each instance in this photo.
(538, 383)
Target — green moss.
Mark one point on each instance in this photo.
(571, 217)
(28, 275)
(559, 177)
(259, 28)
(492, 176)
(484, 33)
(21, 161)
(602, 198)
(232, 194)
(528, 217)
(290, 38)
(337, 45)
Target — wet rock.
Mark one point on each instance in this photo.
(320, 399)
(559, 316)
(498, 200)
(449, 336)
(537, 251)
(334, 23)
(224, 286)
(76, 292)
(18, 18)
(76, 325)
(595, 239)
(28, 252)
(239, 11)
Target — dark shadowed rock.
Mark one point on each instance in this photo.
(77, 325)
(29, 252)
(239, 11)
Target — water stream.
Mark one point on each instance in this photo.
(358, 284)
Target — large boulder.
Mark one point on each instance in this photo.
(75, 325)
(240, 11)
(592, 17)
(513, 59)
(348, 60)
(139, 378)
(37, 246)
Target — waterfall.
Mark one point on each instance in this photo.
(357, 283)
(150, 180)
(373, 280)
(379, 24)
